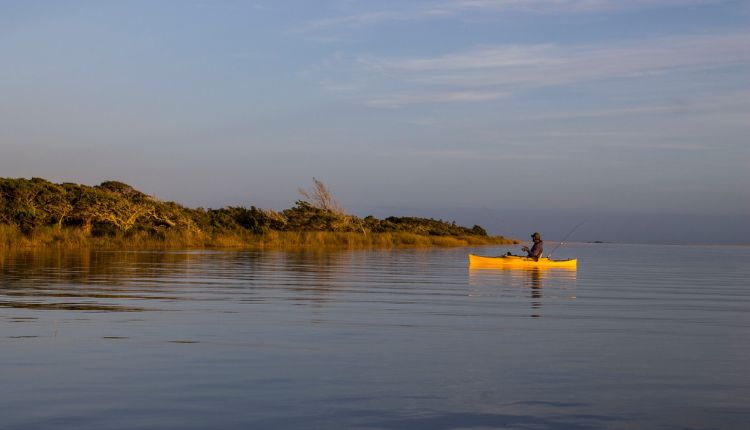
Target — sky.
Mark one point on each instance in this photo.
(414, 107)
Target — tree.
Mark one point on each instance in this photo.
(56, 202)
(170, 215)
(123, 213)
(98, 204)
(21, 205)
(478, 230)
(122, 189)
(85, 205)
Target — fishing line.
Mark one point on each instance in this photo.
(565, 238)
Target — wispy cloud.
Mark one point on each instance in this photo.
(458, 8)
(359, 20)
(738, 102)
(496, 57)
(558, 6)
(454, 154)
(540, 65)
(494, 72)
(400, 100)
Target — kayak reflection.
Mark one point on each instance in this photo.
(534, 286)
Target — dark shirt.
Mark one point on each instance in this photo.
(536, 251)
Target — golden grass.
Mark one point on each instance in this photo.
(324, 239)
(50, 237)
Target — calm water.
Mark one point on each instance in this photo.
(639, 337)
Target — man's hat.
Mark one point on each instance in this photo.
(536, 234)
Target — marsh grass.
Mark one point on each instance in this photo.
(50, 237)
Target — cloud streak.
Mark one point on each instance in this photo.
(400, 100)
(493, 72)
(559, 6)
(352, 21)
(458, 8)
(540, 65)
(739, 102)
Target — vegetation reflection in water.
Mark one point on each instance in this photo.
(119, 281)
(86, 280)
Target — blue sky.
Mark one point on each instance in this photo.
(627, 106)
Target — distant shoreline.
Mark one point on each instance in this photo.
(36, 213)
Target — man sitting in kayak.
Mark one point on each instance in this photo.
(537, 249)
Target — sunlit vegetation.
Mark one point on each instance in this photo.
(36, 212)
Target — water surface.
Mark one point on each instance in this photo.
(637, 337)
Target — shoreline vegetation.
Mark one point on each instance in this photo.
(36, 213)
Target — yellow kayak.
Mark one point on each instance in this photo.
(517, 262)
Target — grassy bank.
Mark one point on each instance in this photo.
(72, 237)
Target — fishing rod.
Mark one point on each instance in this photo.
(565, 238)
